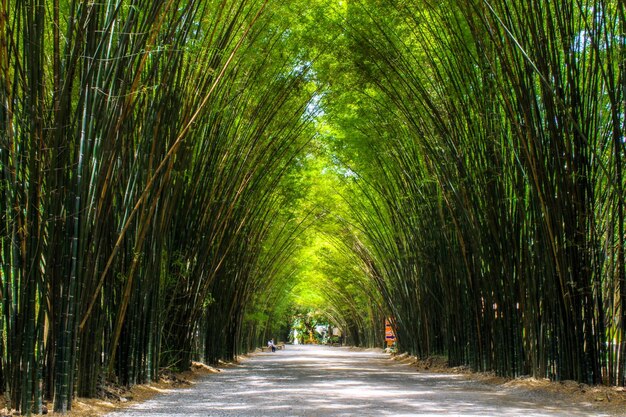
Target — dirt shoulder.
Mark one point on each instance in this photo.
(610, 400)
(116, 398)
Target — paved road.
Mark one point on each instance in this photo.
(320, 381)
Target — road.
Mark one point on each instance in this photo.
(322, 381)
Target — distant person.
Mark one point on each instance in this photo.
(271, 345)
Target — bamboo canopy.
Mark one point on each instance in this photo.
(178, 178)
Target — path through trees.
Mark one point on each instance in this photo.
(185, 179)
(323, 381)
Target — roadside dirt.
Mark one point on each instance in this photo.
(116, 398)
(608, 399)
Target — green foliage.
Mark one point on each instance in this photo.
(180, 179)
(485, 176)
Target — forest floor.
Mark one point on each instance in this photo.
(609, 400)
(116, 398)
(322, 381)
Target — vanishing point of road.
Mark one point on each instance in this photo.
(324, 381)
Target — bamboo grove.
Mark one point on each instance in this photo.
(177, 177)
(486, 145)
(143, 145)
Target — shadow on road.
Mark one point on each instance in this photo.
(322, 381)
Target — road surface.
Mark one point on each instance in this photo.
(323, 381)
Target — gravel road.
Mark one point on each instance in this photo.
(322, 381)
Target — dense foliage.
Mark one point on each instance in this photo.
(179, 179)
(490, 201)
